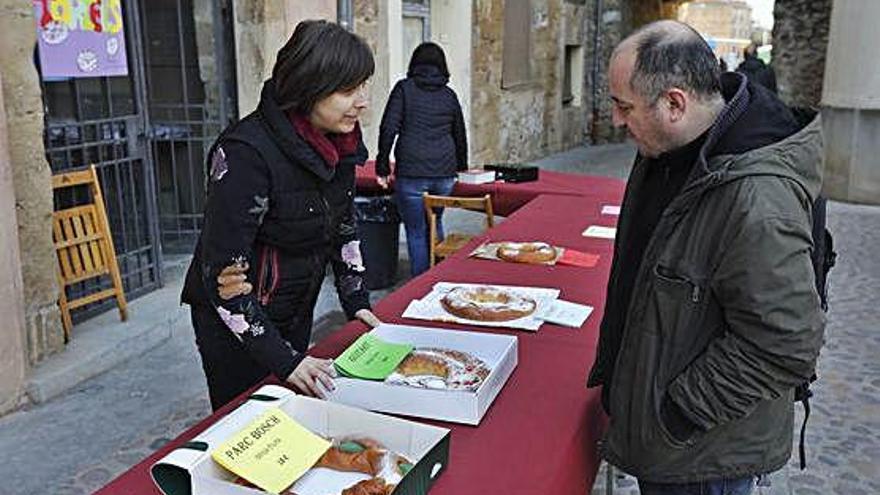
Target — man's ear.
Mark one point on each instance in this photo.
(676, 102)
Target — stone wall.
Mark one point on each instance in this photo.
(259, 33)
(261, 29)
(32, 179)
(527, 120)
(576, 20)
(851, 104)
(613, 26)
(617, 20)
(367, 26)
(12, 358)
(800, 38)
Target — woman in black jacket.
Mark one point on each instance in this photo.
(424, 115)
(279, 209)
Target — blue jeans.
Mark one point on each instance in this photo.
(408, 193)
(739, 486)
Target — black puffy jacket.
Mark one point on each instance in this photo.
(274, 204)
(758, 72)
(425, 116)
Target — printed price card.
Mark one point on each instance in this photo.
(271, 452)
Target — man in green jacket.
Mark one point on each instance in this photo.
(712, 317)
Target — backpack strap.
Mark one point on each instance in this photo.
(802, 394)
(806, 393)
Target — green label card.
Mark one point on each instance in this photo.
(371, 358)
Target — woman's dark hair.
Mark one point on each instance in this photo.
(320, 59)
(428, 54)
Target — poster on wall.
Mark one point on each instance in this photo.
(80, 38)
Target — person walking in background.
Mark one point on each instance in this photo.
(712, 316)
(755, 69)
(424, 115)
(279, 209)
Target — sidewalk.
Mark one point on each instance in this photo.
(93, 430)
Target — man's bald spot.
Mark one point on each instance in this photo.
(666, 54)
(665, 31)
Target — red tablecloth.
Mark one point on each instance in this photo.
(508, 197)
(539, 436)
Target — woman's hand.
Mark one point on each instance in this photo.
(313, 376)
(383, 181)
(367, 316)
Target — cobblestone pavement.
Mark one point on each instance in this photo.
(843, 442)
(94, 476)
(843, 432)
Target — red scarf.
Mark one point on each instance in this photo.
(331, 147)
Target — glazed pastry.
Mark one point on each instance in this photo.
(373, 486)
(443, 369)
(485, 303)
(361, 455)
(526, 252)
(359, 459)
(421, 363)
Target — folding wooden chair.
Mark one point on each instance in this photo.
(84, 247)
(452, 242)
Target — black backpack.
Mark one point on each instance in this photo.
(824, 257)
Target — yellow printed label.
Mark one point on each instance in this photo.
(271, 452)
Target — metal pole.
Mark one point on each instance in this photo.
(609, 479)
(345, 14)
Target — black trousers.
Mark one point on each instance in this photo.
(228, 367)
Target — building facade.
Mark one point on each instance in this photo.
(725, 24)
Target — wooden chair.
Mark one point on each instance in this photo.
(452, 242)
(84, 246)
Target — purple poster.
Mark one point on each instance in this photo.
(80, 38)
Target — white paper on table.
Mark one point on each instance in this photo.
(611, 210)
(430, 308)
(600, 232)
(566, 313)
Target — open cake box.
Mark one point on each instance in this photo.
(498, 352)
(190, 469)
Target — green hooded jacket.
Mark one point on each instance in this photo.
(724, 319)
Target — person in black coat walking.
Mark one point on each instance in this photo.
(279, 209)
(756, 70)
(424, 114)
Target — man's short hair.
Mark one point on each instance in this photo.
(671, 54)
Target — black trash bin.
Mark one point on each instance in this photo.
(379, 230)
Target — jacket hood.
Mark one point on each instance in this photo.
(756, 134)
(428, 77)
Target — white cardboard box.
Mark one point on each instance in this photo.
(190, 470)
(476, 176)
(499, 352)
